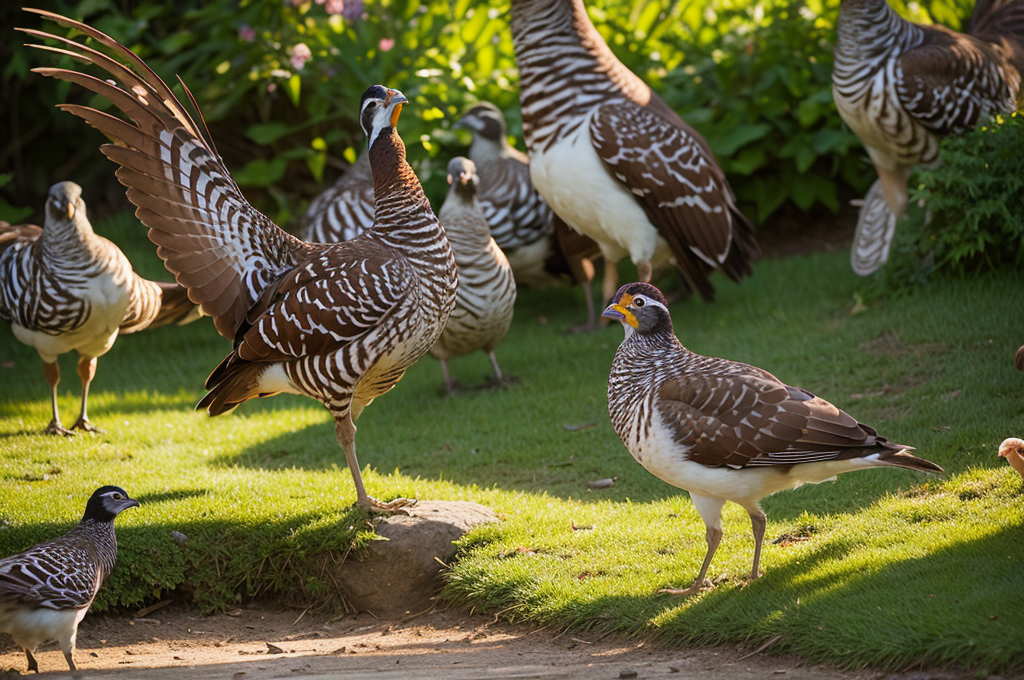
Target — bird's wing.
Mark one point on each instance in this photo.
(744, 416)
(676, 181)
(217, 245)
(952, 82)
(16, 267)
(334, 297)
(55, 575)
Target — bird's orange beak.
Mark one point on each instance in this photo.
(620, 312)
(71, 211)
(397, 98)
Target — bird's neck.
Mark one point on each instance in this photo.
(470, 235)
(71, 242)
(483, 150)
(869, 32)
(565, 68)
(398, 195)
(101, 535)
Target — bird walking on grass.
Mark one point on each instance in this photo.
(1012, 449)
(902, 86)
(614, 161)
(46, 591)
(723, 430)
(64, 288)
(340, 323)
(345, 210)
(539, 246)
(487, 289)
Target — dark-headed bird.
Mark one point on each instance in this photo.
(340, 323)
(64, 288)
(46, 591)
(726, 431)
(902, 86)
(614, 161)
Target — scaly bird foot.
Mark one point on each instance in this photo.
(694, 588)
(56, 428)
(398, 505)
(85, 425)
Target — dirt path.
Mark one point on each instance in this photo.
(175, 643)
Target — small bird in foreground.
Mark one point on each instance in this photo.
(902, 86)
(345, 210)
(340, 323)
(1012, 450)
(64, 288)
(726, 431)
(487, 289)
(47, 590)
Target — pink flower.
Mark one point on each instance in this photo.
(335, 7)
(386, 44)
(299, 54)
(246, 33)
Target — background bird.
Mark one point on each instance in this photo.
(340, 323)
(901, 86)
(487, 289)
(614, 161)
(1012, 450)
(726, 431)
(346, 209)
(47, 590)
(539, 246)
(64, 288)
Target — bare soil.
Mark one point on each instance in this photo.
(261, 641)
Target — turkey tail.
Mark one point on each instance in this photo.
(231, 384)
(1001, 22)
(175, 306)
(876, 227)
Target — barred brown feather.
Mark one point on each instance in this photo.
(346, 209)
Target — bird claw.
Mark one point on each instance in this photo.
(56, 428)
(86, 426)
(693, 589)
(393, 507)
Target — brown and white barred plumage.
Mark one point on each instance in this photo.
(64, 288)
(723, 430)
(346, 209)
(901, 86)
(614, 161)
(337, 322)
(487, 287)
(46, 590)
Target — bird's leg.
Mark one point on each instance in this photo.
(69, 655)
(449, 383)
(52, 373)
(33, 666)
(611, 280)
(345, 430)
(710, 510)
(894, 188)
(644, 271)
(757, 523)
(593, 322)
(86, 372)
(494, 365)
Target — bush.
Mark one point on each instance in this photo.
(972, 217)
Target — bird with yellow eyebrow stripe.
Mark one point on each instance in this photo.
(723, 430)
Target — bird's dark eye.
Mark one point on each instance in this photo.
(639, 302)
(117, 497)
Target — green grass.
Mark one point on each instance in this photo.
(891, 568)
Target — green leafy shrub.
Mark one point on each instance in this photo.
(973, 211)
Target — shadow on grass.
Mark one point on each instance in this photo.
(166, 496)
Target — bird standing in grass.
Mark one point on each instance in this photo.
(614, 161)
(726, 431)
(1012, 450)
(64, 288)
(340, 323)
(901, 86)
(47, 590)
(487, 289)
(346, 209)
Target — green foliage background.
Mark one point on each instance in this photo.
(752, 75)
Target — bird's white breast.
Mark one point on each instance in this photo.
(31, 626)
(572, 179)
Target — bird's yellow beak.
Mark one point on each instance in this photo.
(397, 98)
(71, 211)
(620, 312)
(395, 114)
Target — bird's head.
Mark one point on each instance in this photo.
(64, 202)
(641, 308)
(462, 175)
(379, 110)
(107, 502)
(486, 120)
(1012, 447)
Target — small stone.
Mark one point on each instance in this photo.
(274, 649)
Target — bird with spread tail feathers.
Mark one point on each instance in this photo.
(346, 209)
(726, 431)
(46, 591)
(64, 288)
(539, 246)
(901, 86)
(1012, 450)
(614, 161)
(340, 323)
(487, 289)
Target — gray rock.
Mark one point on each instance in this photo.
(400, 575)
